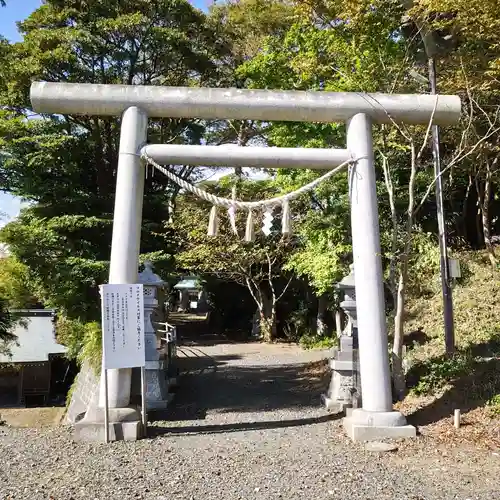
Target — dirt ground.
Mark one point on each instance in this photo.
(32, 417)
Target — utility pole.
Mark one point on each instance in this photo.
(449, 328)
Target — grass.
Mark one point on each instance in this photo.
(476, 301)
(470, 379)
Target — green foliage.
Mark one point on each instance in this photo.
(493, 406)
(66, 165)
(92, 346)
(475, 299)
(436, 373)
(477, 329)
(311, 341)
(7, 322)
(226, 256)
(15, 286)
(424, 264)
(83, 340)
(322, 228)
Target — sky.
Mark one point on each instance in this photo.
(17, 10)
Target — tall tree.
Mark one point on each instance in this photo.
(66, 165)
(256, 265)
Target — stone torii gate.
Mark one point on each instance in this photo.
(376, 419)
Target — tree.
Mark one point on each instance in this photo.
(330, 46)
(256, 265)
(66, 166)
(463, 38)
(242, 26)
(364, 47)
(15, 286)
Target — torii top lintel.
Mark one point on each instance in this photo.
(238, 104)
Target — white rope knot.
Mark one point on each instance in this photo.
(232, 204)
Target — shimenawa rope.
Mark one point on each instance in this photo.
(218, 201)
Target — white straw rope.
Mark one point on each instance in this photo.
(247, 205)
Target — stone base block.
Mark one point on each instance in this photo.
(125, 424)
(118, 431)
(160, 404)
(363, 425)
(334, 405)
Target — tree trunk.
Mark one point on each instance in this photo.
(479, 204)
(485, 217)
(395, 228)
(268, 319)
(397, 348)
(398, 375)
(321, 327)
(465, 208)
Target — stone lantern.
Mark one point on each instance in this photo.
(348, 305)
(157, 390)
(345, 387)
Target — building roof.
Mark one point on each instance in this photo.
(35, 338)
(192, 283)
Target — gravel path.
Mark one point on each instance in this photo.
(247, 424)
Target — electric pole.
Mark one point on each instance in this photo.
(449, 328)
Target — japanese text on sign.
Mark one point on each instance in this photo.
(123, 326)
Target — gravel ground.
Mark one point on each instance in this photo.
(246, 424)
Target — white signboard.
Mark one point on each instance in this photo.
(123, 335)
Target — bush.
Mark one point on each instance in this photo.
(310, 341)
(92, 347)
(434, 374)
(493, 406)
(83, 340)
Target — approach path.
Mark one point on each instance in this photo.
(247, 423)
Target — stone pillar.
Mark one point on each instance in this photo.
(376, 419)
(157, 395)
(125, 244)
(345, 388)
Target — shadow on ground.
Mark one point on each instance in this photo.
(239, 389)
(215, 385)
(241, 426)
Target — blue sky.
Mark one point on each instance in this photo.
(17, 10)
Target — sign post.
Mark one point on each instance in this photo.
(123, 338)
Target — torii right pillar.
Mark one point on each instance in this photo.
(376, 419)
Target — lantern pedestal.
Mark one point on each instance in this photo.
(345, 387)
(158, 384)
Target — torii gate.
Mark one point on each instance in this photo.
(376, 419)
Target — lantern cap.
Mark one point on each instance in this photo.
(148, 277)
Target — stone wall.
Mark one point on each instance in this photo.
(84, 390)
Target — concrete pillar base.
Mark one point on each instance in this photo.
(125, 424)
(362, 425)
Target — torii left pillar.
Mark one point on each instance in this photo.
(124, 420)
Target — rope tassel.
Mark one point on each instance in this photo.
(232, 219)
(213, 222)
(250, 232)
(286, 218)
